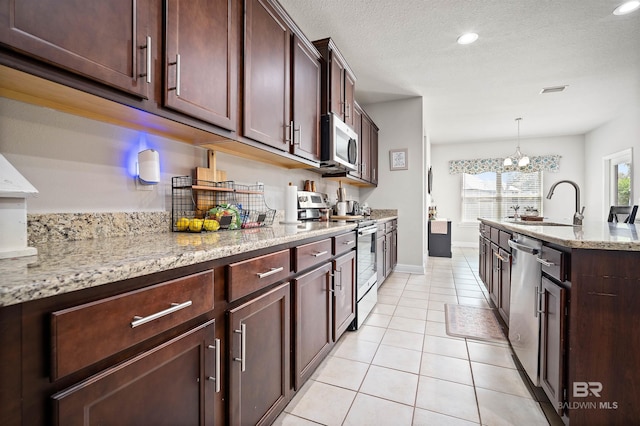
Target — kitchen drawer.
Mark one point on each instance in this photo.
(343, 243)
(392, 225)
(311, 254)
(495, 235)
(555, 263)
(485, 230)
(382, 228)
(254, 274)
(504, 241)
(85, 334)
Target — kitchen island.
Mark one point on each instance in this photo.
(588, 310)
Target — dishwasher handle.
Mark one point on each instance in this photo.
(521, 247)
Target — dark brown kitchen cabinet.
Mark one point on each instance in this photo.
(374, 154)
(386, 249)
(305, 120)
(259, 355)
(338, 83)
(504, 285)
(201, 60)
(380, 256)
(280, 66)
(312, 312)
(552, 342)
(173, 383)
(357, 127)
(107, 41)
(344, 296)
(496, 273)
(365, 149)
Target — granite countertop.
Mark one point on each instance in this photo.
(64, 266)
(591, 235)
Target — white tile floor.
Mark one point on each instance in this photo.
(401, 368)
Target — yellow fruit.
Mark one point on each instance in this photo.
(195, 225)
(182, 224)
(211, 225)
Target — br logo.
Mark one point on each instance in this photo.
(585, 389)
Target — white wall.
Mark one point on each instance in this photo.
(81, 165)
(447, 188)
(615, 136)
(401, 126)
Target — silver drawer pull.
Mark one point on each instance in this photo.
(243, 347)
(147, 47)
(348, 243)
(320, 253)
(137, 320)
(216, 347)
(270, 272)
(545, 262)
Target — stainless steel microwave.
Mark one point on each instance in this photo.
(339, 145)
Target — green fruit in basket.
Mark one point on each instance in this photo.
(182, 224)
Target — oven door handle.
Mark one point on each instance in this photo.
(367, 231)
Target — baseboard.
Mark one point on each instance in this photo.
(410, 269)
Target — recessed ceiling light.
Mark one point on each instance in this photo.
(627, 7)
(467, 38)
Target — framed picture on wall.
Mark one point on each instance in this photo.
(398, 159)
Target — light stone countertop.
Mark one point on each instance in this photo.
(64, 266)
(591, 235)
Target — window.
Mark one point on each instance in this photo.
(493, 194)
(618, 179)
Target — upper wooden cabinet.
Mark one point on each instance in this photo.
(107, 41)
(281, 82)
(338, 83)
(201, 60)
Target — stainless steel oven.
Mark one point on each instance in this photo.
(366, 271)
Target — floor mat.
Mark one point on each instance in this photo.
(473, 323)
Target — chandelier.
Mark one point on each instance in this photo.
(518, 157)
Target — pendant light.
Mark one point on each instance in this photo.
(518, 158)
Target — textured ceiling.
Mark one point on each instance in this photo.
(405, 48)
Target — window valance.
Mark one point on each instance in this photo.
(545, 163)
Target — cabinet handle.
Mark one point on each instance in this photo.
(299, 130)
(243, 347)
(138, 320)
(364, 168)
(270, 272)
(337, 283)
(545, 262)
(537, 300)
(148, 48)
(289, 126)
(348, 243)
(501, 258)
(216, 347)
(177, 64)
(320, 253)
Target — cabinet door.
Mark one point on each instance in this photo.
(365, 149)
(266, 75)
(260, 372)
(552, 342)
(201, 59)
(336, 89)
(388, 254)
(394, 248)
(101, 40)
(380, 258)
(481, 258)
(174, 383)
(344, 295)
(313, 314)
(306, 101)
(504, 292)
(488, 264)
(374, 155)
(496, 273)
(357, 127)
(349, 98)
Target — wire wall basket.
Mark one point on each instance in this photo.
(199, 205)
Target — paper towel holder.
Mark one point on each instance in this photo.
(149, 167)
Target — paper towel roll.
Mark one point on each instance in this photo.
(291, 204)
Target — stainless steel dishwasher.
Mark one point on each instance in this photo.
(524, 318)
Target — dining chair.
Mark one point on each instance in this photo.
(618, 213)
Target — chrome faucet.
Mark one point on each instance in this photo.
(579, 214)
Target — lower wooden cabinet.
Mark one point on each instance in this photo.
(312, 313)
(552, 342)
(173, 383)
(344, 295)
(259, 358)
